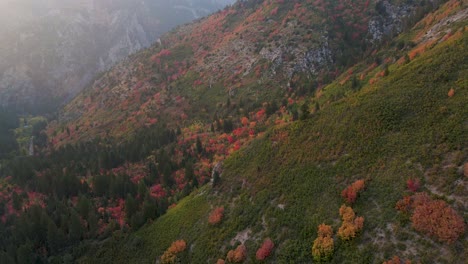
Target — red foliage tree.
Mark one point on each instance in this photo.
(265, 250)
(413, 185)
(351, 192)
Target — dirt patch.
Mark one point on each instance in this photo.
(241, 237)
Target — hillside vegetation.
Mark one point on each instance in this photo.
(274, 131)
(406, 126)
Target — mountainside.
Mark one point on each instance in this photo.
(403, 134)
(251, 53)
(51, 50)
(268, 132)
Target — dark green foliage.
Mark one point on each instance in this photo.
(216, 178)
(305, 112)
(76, 228)
(25, 254)
(84, 206)
(131, 206)
(355, 83)
(227, 126)
(199, 146)
(8, 122)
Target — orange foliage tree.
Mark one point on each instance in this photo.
(216, 216)
(436, 218)
(432, 217)
(352, 225)
(323, 246)
(351, 192)
(170, 254)
(238, 255)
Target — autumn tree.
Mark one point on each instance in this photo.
(436, 218)
(323, 246)
(352, 225)
(265, 250)
(413, 184)
(432, 217)
(351, 192)
(238, 255)
(216, 216)
(170, 255)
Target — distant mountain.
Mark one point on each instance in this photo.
(51, 49)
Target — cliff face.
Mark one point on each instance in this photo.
(51, 51)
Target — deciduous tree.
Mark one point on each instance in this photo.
(351, 224)
(323, 246)
(265, 250)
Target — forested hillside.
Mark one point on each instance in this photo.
(393, 153)
(272, 131)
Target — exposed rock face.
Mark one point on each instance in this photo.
(391, 18)
(51, 50)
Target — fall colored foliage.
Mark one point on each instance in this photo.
(323, 246)
(170, 254)
(352, 225)
(436, 218)
(265, 250)
(238, 255)
(216, 216)
(413, 185)
(433, 217)
(351, 192)
(220, 261)
(451, 92)
(397, 260)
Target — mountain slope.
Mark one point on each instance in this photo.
(281, 143)
(251, 53)
(283, 185)
(52, 50)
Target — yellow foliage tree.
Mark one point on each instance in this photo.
(352, 225)
(323, 246)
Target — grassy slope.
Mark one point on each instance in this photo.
(388, 132)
